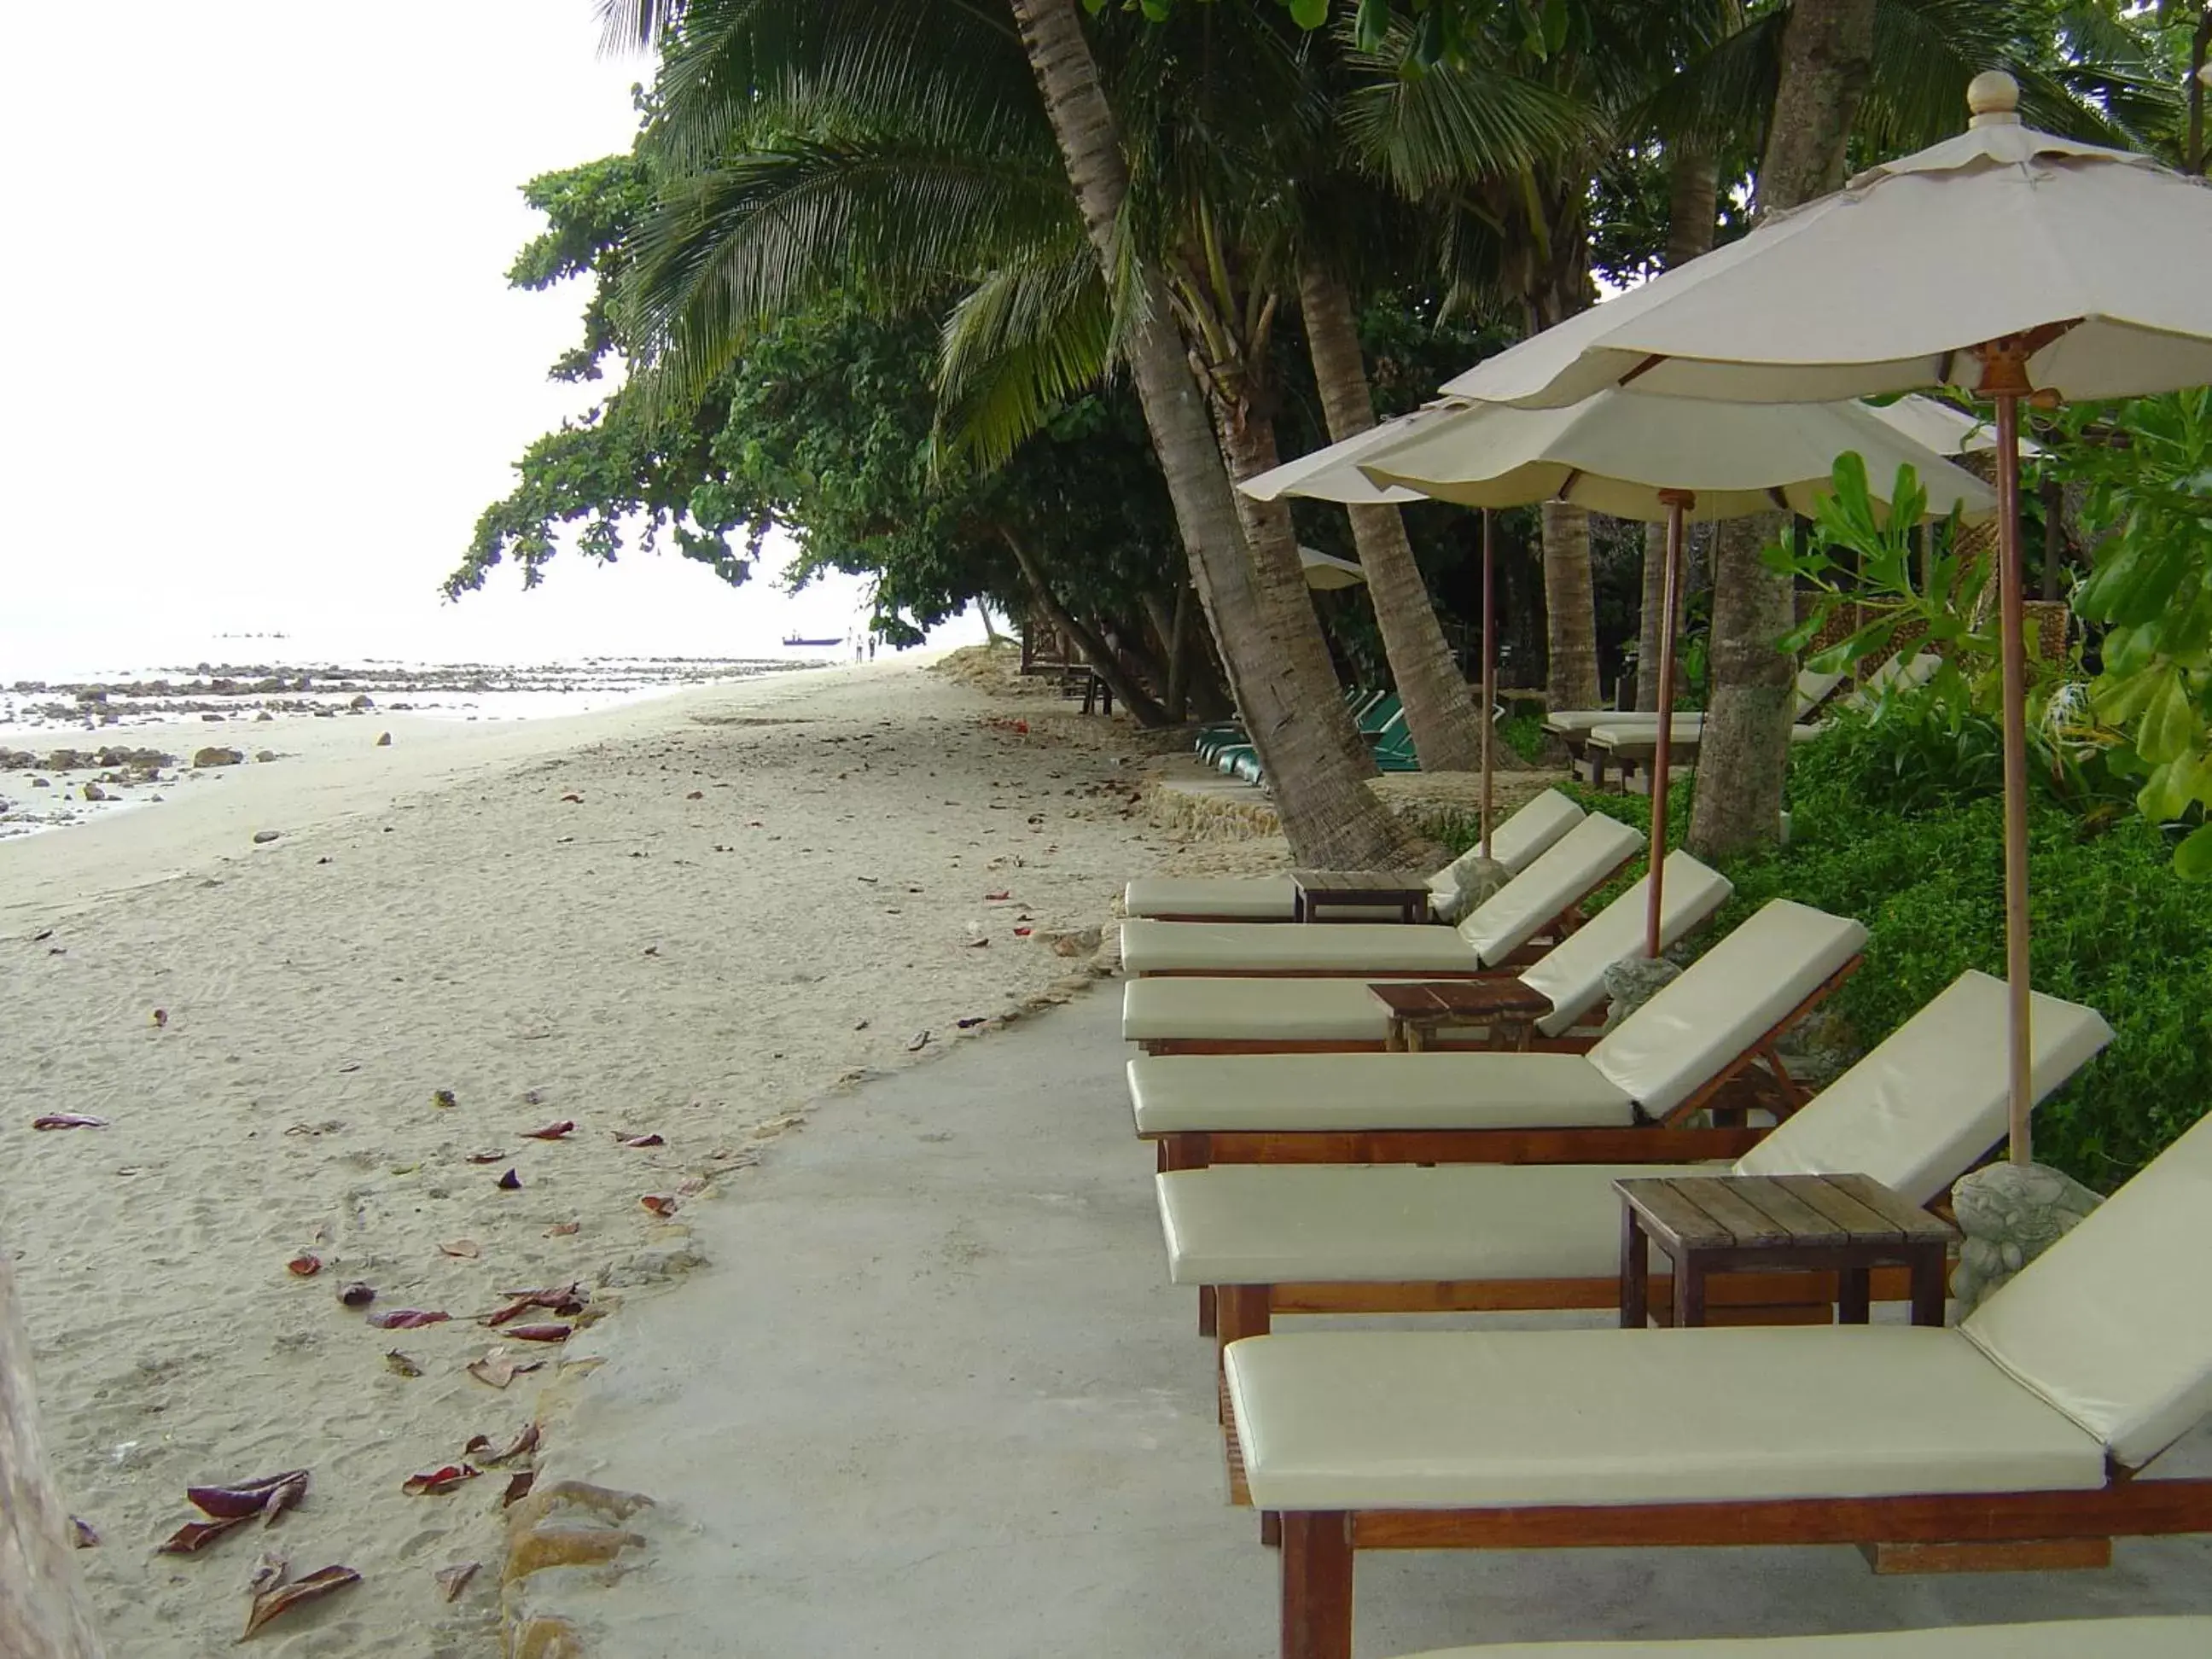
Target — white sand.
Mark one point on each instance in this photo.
(435, 916)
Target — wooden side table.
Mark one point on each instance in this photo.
(1368, 890)
(1421, 1008)
(1846, 1224)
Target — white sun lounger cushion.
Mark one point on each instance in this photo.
(1395, 1224)
(1730, 998)
(1687, 728)
(1261, 947)
(1451, 1419)
(2113, 1324)
(1514, 843)
(1572, 972)
(1932, 1098)
(1174, 1094)
(1562, 873)
(2180, 1637)
(1572, 721)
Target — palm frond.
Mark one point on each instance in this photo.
(1026, 339)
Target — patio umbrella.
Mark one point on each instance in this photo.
(1658, 459)
(1325, 572)
(2009, 261)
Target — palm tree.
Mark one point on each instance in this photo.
(743, 234)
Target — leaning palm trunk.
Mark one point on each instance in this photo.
(1570, 609)
(1439, 711)
(1828, 54)
(1301, 728)
(42, 1612)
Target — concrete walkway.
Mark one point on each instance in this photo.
(933, 1398)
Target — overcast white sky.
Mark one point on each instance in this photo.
(262, 369)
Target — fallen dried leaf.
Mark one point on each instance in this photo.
(518, 1487)
(272, 1494)
(563, 1229)
(660, 1203)
(538, 1332)
(697, 794)
(486, 1158)
(430, 1482)
(306, 1265)
(1003, 893)
(562, 1300)
(551, 1131)
(69, 1120)
(400, 1362)
(480, 1447)
(510, 1181)
(443, 1099)
(691, 1186)
(274, 1604)
(81, 1533)
(196, 1535)
(917, 1042)
(467, 1249)
(276, 1566)
(359, 1294)
(406, 1319)
(160, 1017)
(454, 1579)
(572, 797)
(640, 1142)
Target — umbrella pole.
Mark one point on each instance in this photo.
(1662, 754)
(2013, 654)
(1489, 666)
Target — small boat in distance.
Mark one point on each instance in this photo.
(793, 639)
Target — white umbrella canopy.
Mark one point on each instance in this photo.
(1330, 474)
(1623, 454)
(1893, 283)
(2005, 260)
(1326, 572)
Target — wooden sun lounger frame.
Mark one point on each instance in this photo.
(1980, 1531)
(1669, 1140)
(1569, 918)
(1579, 1038)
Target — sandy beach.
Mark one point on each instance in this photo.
(683, 920)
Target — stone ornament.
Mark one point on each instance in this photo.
(2010, 1214)
(1632, 983)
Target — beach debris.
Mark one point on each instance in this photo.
(578, 799)
(350, 1065)
(82, 1533)
(565, 1300)
(276, 1566)
(196, 1535)
(638, 1143)
(212, 757)
(263, 837)
(697, 794)
(1003, 893)
(486, 1157)
(69, 1120)
(494, 1369)
(407, 1319)
(306, 1265)
(563, 1229)
(161, 1018)
(430, 1482)
(660, 1203)
(443, 1099)
(969, 1022)
(452, 1580)
(396, 1361)
(653, 950)
(467, 1249)
(275, 1603)
(917, 1042)
(510, 1182)
(485, 1450)
(978, 943)
(265, 755)
(552, 1131)
(530, 1097)
(230, 1507)
(539, 1333)
(384, 740)
(860, 1025)
(94, 792)
(359, 1294)
(1024, 932)
(518, 1487)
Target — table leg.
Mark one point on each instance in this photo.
(1689, 1290)
(1929, 1264)
(1394, 1043)
(1854, 1295)
(1635, 1273)
(1317, 1585)
(1417, 1036)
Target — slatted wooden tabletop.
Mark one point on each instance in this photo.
(1421, 1006)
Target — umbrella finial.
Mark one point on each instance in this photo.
(1994, 98)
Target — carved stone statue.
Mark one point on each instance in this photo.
(2010, 1214)
(1476, 880)
(1634, 981)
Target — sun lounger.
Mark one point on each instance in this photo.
(1574, 727)
(2026, 1423)
(2176, 1637)
(1543, 899)
(1515, 844)
(1630, 750)
(1399, 1238)
(1629, 1098)
(1169, 1016)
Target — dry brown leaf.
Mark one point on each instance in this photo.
(660, 1203)
(563, 1229)
(276, 1566)
(400, 1362)
(274, 1604)
(81, 1533)
(538, 1332)
(552, 1131)
(518, 1487)
(440, 1479)
(467, 1249)
(480, 1447)
(640, 1142)
(454, 1579)
(306, 1265)
(407, 1319)
(359, 1294)
(272, 1494)
(486, 1158)
(196, 1535)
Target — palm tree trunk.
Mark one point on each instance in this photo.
(1570, 609)
(1139, 701)
(2200, 47)
(1828, 55)
(1277, 661)
(1693, 209)
(1440, 714)
(42, 1611)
